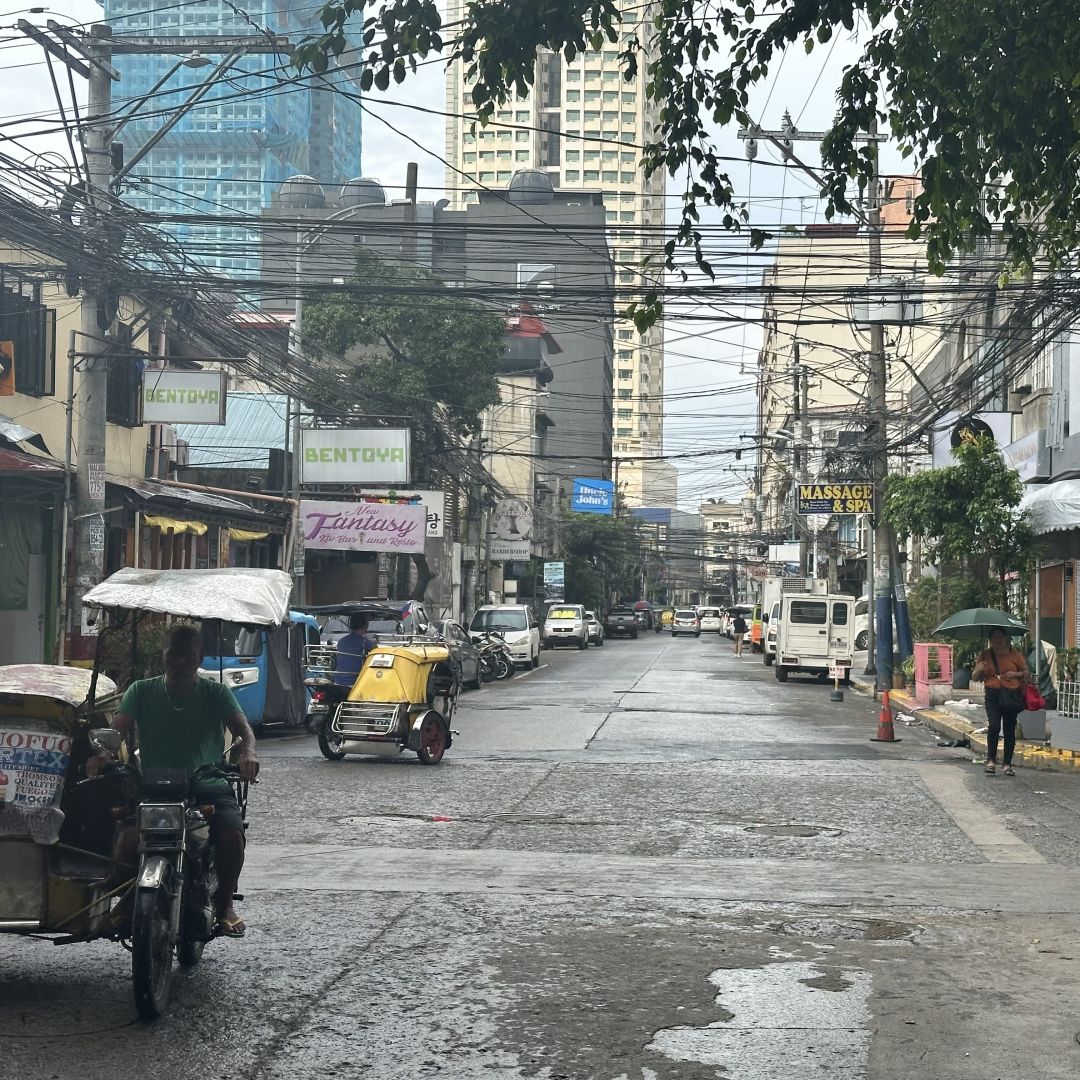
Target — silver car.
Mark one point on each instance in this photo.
(596, 628)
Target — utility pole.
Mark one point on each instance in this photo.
(96, 313)
(881, 621)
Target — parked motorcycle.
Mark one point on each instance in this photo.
(495, 659)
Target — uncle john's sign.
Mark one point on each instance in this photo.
(348, 526)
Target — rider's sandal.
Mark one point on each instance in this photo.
(1008, 771)
(234, 928)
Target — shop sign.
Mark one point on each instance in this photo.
(840, 497)
(354, 456)
(352, 526)
(500, 550)
(554, 580)
(434, 503)
(593, 496)
(183, 397)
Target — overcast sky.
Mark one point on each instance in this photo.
(713, 359)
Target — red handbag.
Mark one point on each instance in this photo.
(1033, 700)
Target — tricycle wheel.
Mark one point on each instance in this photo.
(329, 743)
(432, 740)
(151, 953)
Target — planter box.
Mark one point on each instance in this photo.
(1066, 732)
(1032, 725)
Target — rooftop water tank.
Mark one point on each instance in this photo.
(530, 187)
(302, 192)
(362, 191)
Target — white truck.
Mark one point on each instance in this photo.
(772, 590)
(815, 634)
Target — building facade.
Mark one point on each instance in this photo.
(232, 151)
(583, 125)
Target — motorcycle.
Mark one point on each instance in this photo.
(58, 825)
(403, 698)
(495, 659)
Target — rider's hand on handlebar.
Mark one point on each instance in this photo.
(248, 764)
(95, 764)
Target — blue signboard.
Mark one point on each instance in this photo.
(593, 497)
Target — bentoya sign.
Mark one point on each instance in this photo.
(183, 397)
(350, 526)
(354, 456)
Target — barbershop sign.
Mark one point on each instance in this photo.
(354, 456)
(365, 526)
(183, 397)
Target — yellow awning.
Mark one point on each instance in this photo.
(167, 524)
(241, 535)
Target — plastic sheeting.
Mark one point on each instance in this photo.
(1053, 507)
(245, 595)
(69, 685)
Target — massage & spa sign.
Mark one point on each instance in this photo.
(363, 526)
(839, 497)
(354, 456)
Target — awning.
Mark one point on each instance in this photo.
(151, 496)
(242, 536)
(167, 524)
(14, 463)
(15, 433)
(1053, 507)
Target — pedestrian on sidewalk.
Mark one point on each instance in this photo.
(738, 630)
(1003, 671)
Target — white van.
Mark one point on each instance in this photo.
(566, 624)
(518, 627)
(814, 634)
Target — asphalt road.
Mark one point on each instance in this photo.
(644, 861)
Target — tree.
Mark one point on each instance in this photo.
(983, 96)
(968, 516)
(603, 558)
(421, 355)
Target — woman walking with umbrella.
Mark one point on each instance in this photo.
(1004, 671)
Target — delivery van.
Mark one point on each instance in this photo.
(815, 634)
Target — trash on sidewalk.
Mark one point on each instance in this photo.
(954, 742)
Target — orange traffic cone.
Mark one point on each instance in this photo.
(885, 732)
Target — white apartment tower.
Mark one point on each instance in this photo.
(584, 126)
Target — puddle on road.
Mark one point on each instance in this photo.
(794, 829)
(784, 1020)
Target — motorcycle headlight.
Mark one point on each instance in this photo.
(162, 817)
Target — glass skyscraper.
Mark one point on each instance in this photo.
(253, 129)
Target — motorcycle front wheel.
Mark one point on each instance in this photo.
(151, 953)
(504, 669)
(329, 743)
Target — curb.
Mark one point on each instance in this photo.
(1029, 755)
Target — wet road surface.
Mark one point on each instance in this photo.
(645, 861)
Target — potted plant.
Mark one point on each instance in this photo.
(965, 654)
(905, 672)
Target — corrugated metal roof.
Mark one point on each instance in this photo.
(254, 425)
(12, 462)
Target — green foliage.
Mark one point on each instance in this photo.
(967, 516)
(931, 600)
(982, 97)
(1068, 663)
(431, 359)
(604, 558)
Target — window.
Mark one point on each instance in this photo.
(624, 432)
(610, 155)
(522, 116)
(610, 176)
(572, 176)
(629, 119)
(504, 155)
(593, 95)
(573, 116)
(626, 395)
(610, 215)
(626, 215)
(627, 178)
(522, 136)
(626, 414)
(839, 614)
(591, 115)
(573, 76)
(610, 96)
(628, 159)
(591, 174)
(469, 159)
(626, 373)
(504, 174)
(31, 327)
(521, 155)
(626, 335)
(808, 612)
(629, 97)
(573, 95)
(573, 155)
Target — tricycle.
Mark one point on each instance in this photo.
(61, 877)
(403, 698)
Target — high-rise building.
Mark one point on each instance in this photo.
(253, 128)
(584, 125)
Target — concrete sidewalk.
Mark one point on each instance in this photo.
(952, 724)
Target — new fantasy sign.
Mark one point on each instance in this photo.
(593, 496)
(354, 456)
(434, 503)
(365, 526)
(843, 497)
(183, 397)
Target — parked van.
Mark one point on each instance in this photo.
(814, 634)
(566, 624)
(518, 627)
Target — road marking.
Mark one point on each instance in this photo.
(977, 820)
(531, 671)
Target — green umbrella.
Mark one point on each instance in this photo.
(979, 621)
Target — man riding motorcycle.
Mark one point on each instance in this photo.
(180, 720)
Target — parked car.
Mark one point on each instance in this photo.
(596, 628)
(412, 622)
(745, 610)
(620, 620)
(709, 617)
(861, 624)
(686, 622)
(565, 624)
(463, 652)
(518, 626)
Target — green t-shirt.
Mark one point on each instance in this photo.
(181, 733)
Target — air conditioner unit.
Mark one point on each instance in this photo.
(182, 455)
